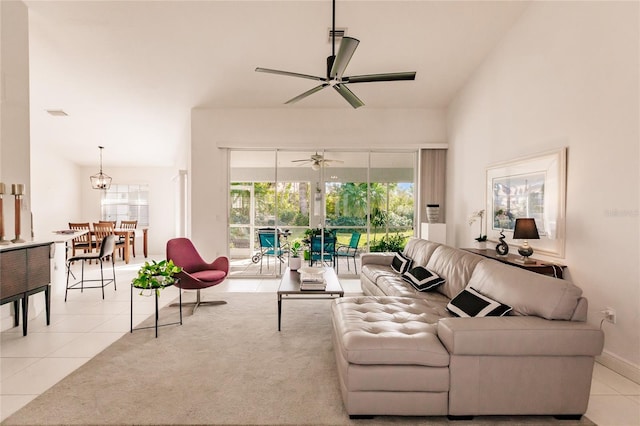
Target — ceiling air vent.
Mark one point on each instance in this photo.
(57, 112)
(340, 32)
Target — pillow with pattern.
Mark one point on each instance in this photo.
(422, 279)
(470, 303)
(401, 263)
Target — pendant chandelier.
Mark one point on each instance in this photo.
(100, 180)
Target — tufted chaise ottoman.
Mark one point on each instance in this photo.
(389, 357)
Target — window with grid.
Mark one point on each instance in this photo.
(126, 202)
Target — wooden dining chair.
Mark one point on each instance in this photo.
(130, 224)
(103, 229)
(82, 242)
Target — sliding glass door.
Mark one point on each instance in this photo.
(393, 193)
(364, 199)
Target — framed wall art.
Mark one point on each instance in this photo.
(533, 187)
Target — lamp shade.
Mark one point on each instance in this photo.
(526, 230)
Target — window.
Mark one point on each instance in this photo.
(126, 202)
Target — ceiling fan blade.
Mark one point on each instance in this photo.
(307, 93)
(347, 48)
(393, 76)
(301, 161)
(290, 74)
(348, 95)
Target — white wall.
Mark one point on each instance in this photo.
(14, 113)
(285, 128)
(14, 128)
(163, 185)
(56, 184)
(566, 75)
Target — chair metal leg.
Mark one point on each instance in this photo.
(199, 302)
(102, 279)
(113, 269)
(82, 277)
(66, 290)
(69, 270)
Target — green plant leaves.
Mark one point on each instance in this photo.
(156, 274)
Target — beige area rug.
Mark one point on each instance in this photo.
(226, 364)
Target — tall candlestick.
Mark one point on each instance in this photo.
(17, 189)
(3, 242)
(18, 205)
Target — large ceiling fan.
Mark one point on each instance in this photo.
(336, 65)
(316, 161)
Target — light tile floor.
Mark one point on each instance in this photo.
(86, 324)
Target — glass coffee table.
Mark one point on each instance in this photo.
(290, 288)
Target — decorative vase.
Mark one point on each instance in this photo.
(433, 213)
(295, 263)
(482, 245)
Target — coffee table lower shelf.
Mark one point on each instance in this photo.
(290, 289)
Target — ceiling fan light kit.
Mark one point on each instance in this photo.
(336, 65)
(317, 161)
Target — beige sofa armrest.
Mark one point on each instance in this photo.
(377, 259)
(519, 336)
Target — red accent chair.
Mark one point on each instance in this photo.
(196, 272)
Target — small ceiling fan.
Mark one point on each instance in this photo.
(316, 161)
(336, 66)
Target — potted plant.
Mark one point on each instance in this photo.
(482, 238)
(295, 261)
(156, 275)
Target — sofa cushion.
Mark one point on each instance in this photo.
(388, 330)
(401, 263)
(470, 303)
(388, 283)
(527, 292)
(420, 250)
(455, 266)
(375, 271)
(422, 279)
(519, 336)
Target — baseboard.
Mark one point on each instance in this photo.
(620, 366)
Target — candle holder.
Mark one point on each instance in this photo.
(3, 242)
(17, 190)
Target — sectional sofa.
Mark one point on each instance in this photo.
(401, 351)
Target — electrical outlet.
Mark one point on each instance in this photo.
(609, 314)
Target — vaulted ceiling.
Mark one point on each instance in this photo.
(128, 73)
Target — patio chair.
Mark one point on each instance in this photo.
(349, 251)
(323, 253)
(270, 246)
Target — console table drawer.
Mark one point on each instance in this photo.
(25, 270)
(38, 267)
(13, 272)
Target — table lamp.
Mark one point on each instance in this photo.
(525, 229)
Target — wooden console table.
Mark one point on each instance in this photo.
(545, 268)
(25, 269)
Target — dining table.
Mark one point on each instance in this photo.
(127, 235)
